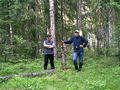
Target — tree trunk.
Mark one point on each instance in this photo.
(62, 45)
(109, 28)
(119, 49)
(37, 32)
(52, 25)
(62, 37)
(11, 43)
(77, 23)
(28, 74)
(98, 41)
(80, 16)
(62, 23)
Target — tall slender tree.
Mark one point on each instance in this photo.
(80, 16)
(52, 25)
(37, 32)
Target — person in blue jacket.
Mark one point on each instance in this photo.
(79, 43)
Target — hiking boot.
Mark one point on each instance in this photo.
(80, 65)
(76, 67)
(52, 68)
(79, 69)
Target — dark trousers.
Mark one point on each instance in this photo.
(46, 58)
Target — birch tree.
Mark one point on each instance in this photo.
(52, 25)
(80, 16)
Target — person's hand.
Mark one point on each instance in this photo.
(81, 46)
(47, 46)
(51, 46)
(62, 41)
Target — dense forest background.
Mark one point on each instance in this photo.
(23, 27)
(24, 24)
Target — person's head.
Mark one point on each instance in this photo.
(48, 37)
(76, 33)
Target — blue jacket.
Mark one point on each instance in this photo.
(77, 41)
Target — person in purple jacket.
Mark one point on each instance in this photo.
(48, 52)
(79, 43)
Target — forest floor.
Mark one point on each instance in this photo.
(98, 73)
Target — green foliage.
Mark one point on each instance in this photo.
(100, 73)
(28, 24)
(115, 4)
(22, 16)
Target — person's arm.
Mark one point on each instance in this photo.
(52, 46)
(49, 46)
(85, 41)
(45, 45)
(69, 41)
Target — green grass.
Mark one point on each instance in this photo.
(101, 73)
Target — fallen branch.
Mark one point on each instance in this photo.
(28, 74)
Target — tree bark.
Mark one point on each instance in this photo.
(62, 45)
(11, 42)
(62, 37)
(37, 44)
(27, 74)
(80, 17)
(37, 32)
(52, 25)
(109, 28)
